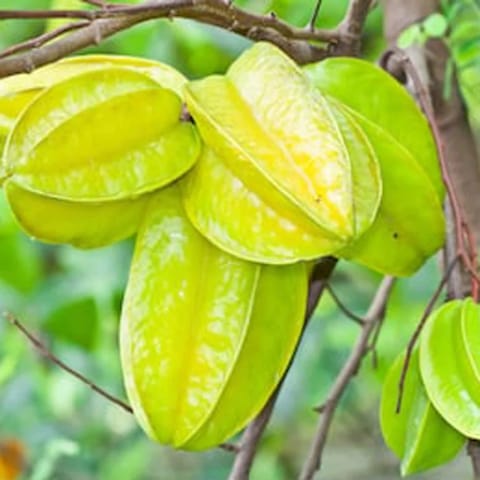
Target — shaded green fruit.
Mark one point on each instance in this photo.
(418, 435)
(106, 134)
(410, 225)
(83, 225)
(196, 322)
(450, 364)
(291, 154)
(11, 106)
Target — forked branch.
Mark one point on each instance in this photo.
(302, 44)
(349, 370)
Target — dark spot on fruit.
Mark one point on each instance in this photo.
(395, 235)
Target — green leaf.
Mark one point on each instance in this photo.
(20, 267)
(410, 36)
(75, 322)
(417, 434)
(450, 364)
(435, 25)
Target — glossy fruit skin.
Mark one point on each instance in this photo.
(290, 154)
(84, 124)
(450, 364)
(98, 221)
(196, 322)
(17, 91)
(82, 225)
(410, 225)
(418, 434)
(11, 106)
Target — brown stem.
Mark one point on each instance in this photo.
(47, 354)
(473, 449)
(349, 370)
(418, 330)
(345, 310)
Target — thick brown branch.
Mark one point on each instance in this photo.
(253, 433)
(105, 22)
(351, 27)
(349, 370)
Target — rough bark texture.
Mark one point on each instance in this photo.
(450, 115)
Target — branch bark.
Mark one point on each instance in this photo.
(456, 137)
(298, 43)
(350, 368)
(461, 158)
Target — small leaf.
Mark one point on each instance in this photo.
(75, 322)
(410, 36)
(435, 25)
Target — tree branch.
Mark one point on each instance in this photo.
(473, 449)
(346, 311)
(351, 27)
(253, 433)
(114, 18)
(349, 370)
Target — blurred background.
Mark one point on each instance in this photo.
(72, 300)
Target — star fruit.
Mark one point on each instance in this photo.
(102, 133)
(410, 225)
(196, 324)
(285, 174)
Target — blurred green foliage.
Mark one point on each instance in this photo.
(73, 299)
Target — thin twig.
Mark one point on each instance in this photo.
(316, 11)
(42, 39)
(41, 348)
(418, 330)
(96, 3)
(346, 311)
(253, 433)
(349, 370)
